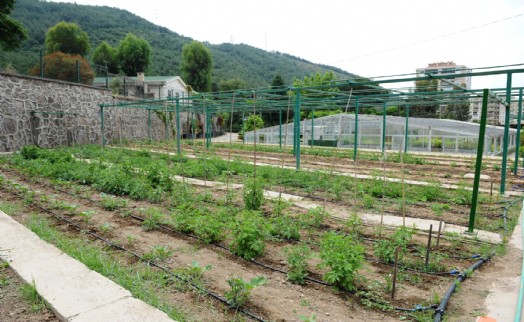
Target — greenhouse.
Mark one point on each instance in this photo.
(423, 135)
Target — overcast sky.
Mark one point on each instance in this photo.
(369, 38)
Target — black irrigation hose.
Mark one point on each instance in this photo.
(505, 213)
(416, 309)
(439, 311)
(150, 263)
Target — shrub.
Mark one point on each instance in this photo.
(385, 249)
(314, 217)
(249, 235)
(297, 260)
(253, 195)
(285, 227)
(30, 152)
(63, 67)
(344, 256)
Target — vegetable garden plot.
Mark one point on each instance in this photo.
(127, 197)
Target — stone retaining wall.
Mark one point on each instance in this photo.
(51, 113)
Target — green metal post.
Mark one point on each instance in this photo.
(125, 87)
(280, 128)
(41, 64)
(178, 136)
(356, 131)
(77, 71)
(506, 136)
(384, 128)
(517, 140)
(107, 77)
(478, 165)
(406, 134)
(208, 130)
(243, 132)
(102, 130)
(297, 129)
(149, 124)
(312, 127)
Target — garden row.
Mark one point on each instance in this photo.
(277, 234)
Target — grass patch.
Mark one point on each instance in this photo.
(143, 282)
(29, 293)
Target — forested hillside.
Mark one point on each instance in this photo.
(253, 66)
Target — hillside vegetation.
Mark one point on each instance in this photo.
(253, 66)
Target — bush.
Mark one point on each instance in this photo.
(385, 249)
(314, 217)
(30, 152)
(285, 227)
(63, 67)
(297, 260)
(253, 195)
(249, 235)
(344, 256)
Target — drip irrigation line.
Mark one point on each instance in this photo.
(440, 310)
(218, 297)
(505, 213)
(148, 262)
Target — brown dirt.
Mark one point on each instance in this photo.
(13, 307)
(280, 300)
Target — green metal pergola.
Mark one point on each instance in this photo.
(348, 96)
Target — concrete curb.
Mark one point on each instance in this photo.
(73, 291)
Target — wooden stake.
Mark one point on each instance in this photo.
(429, 244)
(394, 275)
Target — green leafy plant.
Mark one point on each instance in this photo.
(297, 260)
(285, 227)
(153, 218)
(248, 235)
(111, 202)
(253, 195)
(343, 256)
(311, 318)
(193, 274)
(105, 227)
(385, 249)
(30, 152)
(87, 215)
(314, 217)
(240, 291)
(158, 253)
(210, 229)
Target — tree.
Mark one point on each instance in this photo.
(105, 55)
(12, 33)
(277, 82)
(67, 38)
(231, 84)
(280, 94)
(422, 108)
(134, 55)
(196, 66)
(63, 67)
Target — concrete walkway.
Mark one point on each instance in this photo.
(501, 303)
(73, 291)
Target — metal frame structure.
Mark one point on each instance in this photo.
(353, 96)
